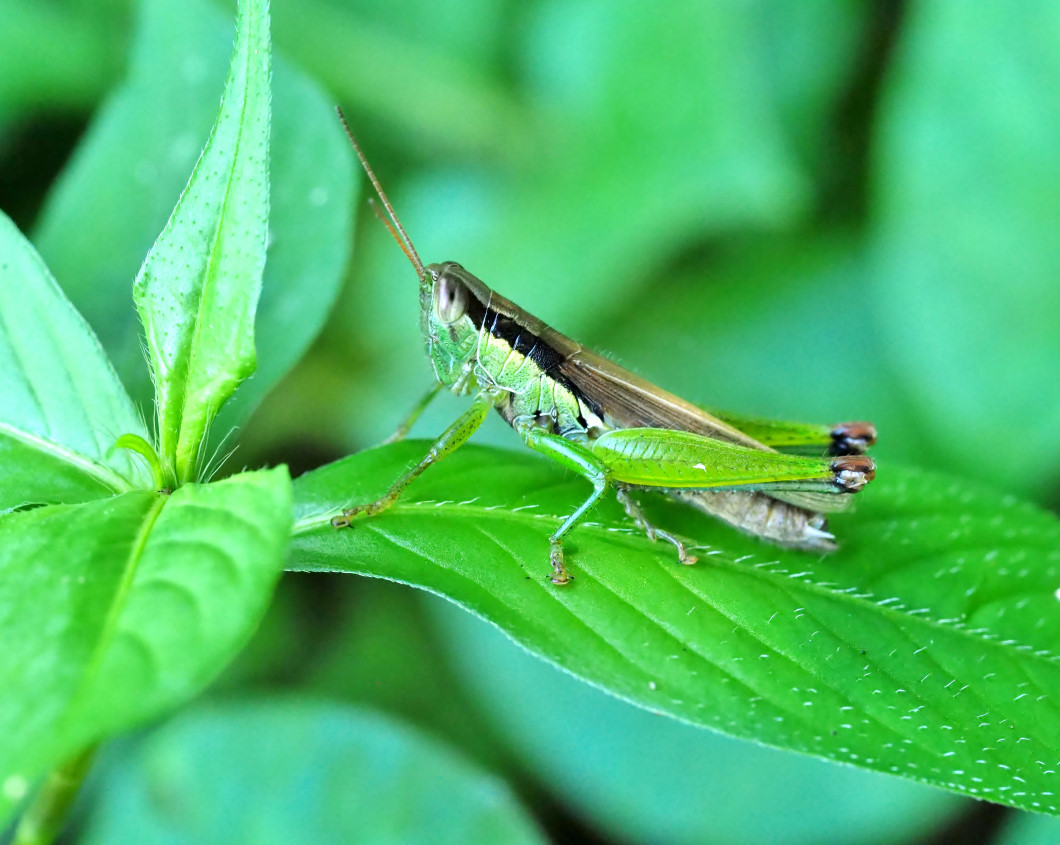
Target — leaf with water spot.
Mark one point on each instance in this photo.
(925, 647)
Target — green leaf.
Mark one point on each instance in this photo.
(310, 234)
(56, 54)
(420, 687)
(136, 158)
(291, 770)
(198, 288)
(646, 779)
(809, 93)
(438, 86)
(114, 611)
(924, 648)
(61, 406)
(1030, 829)
(967, 199)
(661, 130)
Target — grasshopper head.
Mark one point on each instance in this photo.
(451, 310)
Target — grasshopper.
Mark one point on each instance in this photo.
(613, 428)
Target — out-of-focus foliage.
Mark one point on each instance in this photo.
(829, 210)
(320, 773)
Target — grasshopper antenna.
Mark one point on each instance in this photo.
(397, 230)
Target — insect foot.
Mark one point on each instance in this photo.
(560, 575)
(853, 472)
(343, 520)
(852, 438)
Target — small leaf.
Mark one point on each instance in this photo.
(320, 773)
(114, 611)
(135, 159)
(61, 406)
(924, 647)
(310, 226)
(198, 288)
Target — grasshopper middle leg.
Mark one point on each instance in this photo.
(634, 512)
(576, 457)
(425, 400)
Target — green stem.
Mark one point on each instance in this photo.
(46, 814)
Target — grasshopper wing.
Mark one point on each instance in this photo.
(626, 400)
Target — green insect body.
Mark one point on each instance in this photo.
(615, 429)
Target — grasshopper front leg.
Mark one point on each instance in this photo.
(575, 457)
(448, 442)
(414, 414)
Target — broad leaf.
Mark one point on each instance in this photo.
(320, 772)
(61, 405)
(923, 648)
(198, 288)
(1027, 829)
(113, 611)
(646, 779)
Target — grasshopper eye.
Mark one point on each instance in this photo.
(450, 300)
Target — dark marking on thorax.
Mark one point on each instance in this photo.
(526, 342)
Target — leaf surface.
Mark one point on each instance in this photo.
(924, 648)
(61, 404)
(198, 288)
(113, 611)
(646, 779)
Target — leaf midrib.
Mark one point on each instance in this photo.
(118, 603)
(779, 580)
(83, 463)
(189, 467)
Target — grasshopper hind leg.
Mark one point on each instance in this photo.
(634, 512)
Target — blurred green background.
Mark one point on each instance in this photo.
(811, 209)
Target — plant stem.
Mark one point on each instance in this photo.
(46, 814)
